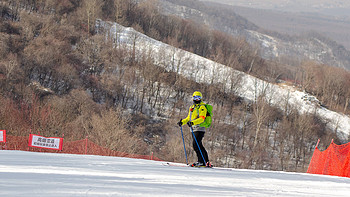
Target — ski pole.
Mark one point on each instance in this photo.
(194, 137)
(183, 140)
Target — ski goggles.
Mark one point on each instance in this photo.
(197, 98)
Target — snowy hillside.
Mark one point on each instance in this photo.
(48, 174)
(203, 70)
(292, 39)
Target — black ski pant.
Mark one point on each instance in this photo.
(199, 136)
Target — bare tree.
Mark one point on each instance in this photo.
(91, 11)
(11, 66)
(134, 37)
(260, 108)
(150, 10)
(309, 71)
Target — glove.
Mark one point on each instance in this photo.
(180, 123)
(190, 124)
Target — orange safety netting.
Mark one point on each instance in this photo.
(333, 161)
(84, 146)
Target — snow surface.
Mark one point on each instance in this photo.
(49, 174)
(203, 70)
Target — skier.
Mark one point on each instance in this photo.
(196, 116)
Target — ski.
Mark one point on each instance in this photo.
(200, 167)
(184, 165)
(176, 164)
(188, 166)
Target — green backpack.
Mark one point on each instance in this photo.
(208, 119)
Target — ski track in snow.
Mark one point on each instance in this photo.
(49, 174)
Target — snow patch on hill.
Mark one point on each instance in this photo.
(202, 70)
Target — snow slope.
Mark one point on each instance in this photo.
(203, 70)
(48, 174)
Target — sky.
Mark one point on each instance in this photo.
(52, 174)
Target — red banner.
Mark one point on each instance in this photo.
(38, 141)
(2, 136)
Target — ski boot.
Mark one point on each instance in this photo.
(208, 165)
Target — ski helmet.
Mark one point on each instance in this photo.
(196, 93)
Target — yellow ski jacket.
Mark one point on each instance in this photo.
(196, 114)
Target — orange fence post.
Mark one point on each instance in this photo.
(62, 144)
(86, 144)
(318, 141)
(30, 132)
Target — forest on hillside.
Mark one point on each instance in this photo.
(59, 76)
